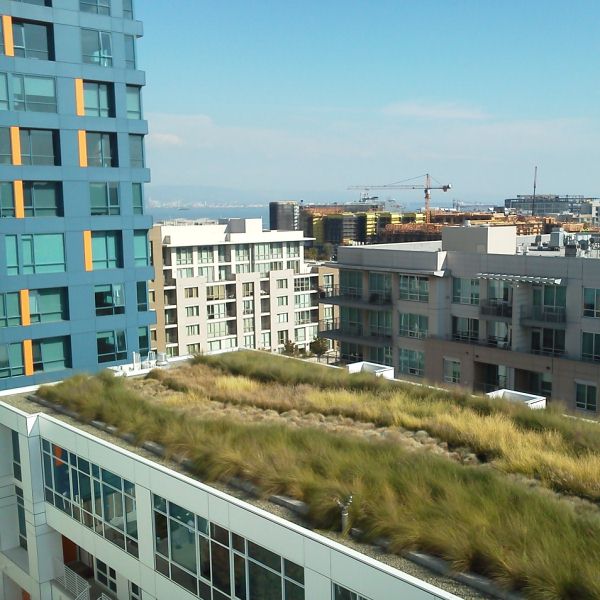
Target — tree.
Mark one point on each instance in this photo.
(290, 349)
(319, 346)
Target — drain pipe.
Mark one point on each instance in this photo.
(345, 512)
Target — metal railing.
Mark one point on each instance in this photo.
(496, 308)
(337, 327)
(545, 314)
(76, 585)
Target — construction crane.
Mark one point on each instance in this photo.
(406, 185)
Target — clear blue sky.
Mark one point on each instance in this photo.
(293, 98)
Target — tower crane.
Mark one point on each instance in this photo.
(406, 185)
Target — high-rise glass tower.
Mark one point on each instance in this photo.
(74, 254)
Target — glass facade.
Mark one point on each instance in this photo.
(213, 562)
(102, 501)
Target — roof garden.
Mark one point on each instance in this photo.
(490, 486)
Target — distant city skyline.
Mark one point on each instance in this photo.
(300, 100)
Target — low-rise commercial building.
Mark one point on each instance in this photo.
(479, 308)
(228, 285)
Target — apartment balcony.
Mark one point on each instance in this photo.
(557, 352)
(541, 315)
(334, 329)
(349, 296)
(496, 309)
(76, 582)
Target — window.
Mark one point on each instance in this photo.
(130, 62)
(193, 349)
(37, 2)
(192, 330)
(282, 284)
(193, 311)
(341, 593)
(191, 292)
(293, 249)
(96, 47)
(138, 198)
(128, 14)
(100, 7)
(10, 309)
(33, 40)
(282, 337)
(413, 287)
(4, 105)
(248, 325)
(465, 329)
(585, 396)
(16, 450)
(33, 93)
(134, 102)
(42, 253)
(11, 360)
(215, 292)
(39, 147)
(261, 251)
(109, 299)
(282, 300)
(303, 300)
(591, 302)
(265, 339)
(104, 198)
(247, 289)
(7, 199)
(412, 325)
(21, 518)
(135, 592)
(101, 149)
(107, 250)
(106, 575)
(98, 99)
(465, 291)
(412, 362)
(51, 354)
(248, 341)
(43, 198)
(216, 311)
(184, 273)
(381, 355)
(248, 307)
(380, 288)
(548, 341)
(142, 296)
(136, 151)
(5, 146)
(140, 248)
(351, 283)
(303, 284)
(184, 256)
(590, 346)
(112, 345)
(451, 370)
(49, 305)
(218, 329)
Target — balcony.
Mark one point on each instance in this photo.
(76, 581)
(334, 329)
(351, 296)
(496, 308)
(558, 352)
(556, 315)
(470, 337)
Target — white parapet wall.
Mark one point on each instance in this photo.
(368, 367)
(531, 400)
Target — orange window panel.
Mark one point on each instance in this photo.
(87, 250)
(7, 30)
(19, 199)
(83, 158)
(28, 356)
(79, 104)
(25, 311)
(15, 145)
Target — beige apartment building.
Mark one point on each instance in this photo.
(229, 285)
(481, 308)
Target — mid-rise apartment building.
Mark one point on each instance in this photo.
(75, 259)
(482, 308)
(229, 285)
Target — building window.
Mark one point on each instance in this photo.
(412, 325)
(282, 284)
(585, 396)
(128, 14)
(218, 329)
(43, 198)
(100, 7)
(143, 340)
(96, 47)
(104, 198)
(548, 341)
(381, 355)
(101, 149)
(590, 346)
(465, 329)
(39, 147)
(193, 349)
(351, 283)
(341, 593)
(5, 146)
(140, 248)
(10, 309)
(7, 199)
(33, 93)
(109, 299)
(303, 301)
(216, 292)
(142, 296)
(16, 450)
(282, 300)
(216, 311)
(130, 61)
(303, 284)
(11, 360)
(33, 40)
(247, 289)
(380, 323)
(184, 256)
(265, 339)
(112, 345)
(185, 273)
(51, 354)
(107, 250)
(249, 325)
(248, 307)
(191, 292)
(49, 305)
(380, 288)
(4, 105)
(98, 99)
(138, 199)
(412, 362)
(192, 330)
(282, 318)
(21, 518)
(40, 253)
(465, 291)
(193, 311)
(134, 102)
(591, 302)
(135, 593)
(249, 341)
(282, 337)
(451, 371)
(413, 287)
(136, 151)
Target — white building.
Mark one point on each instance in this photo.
(232, 285)
(81, 517)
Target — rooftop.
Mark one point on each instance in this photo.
(430, 470)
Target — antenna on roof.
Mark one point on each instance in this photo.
(534, 188)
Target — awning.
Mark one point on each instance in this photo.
(521, 278)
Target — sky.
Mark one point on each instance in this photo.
(299, 99)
